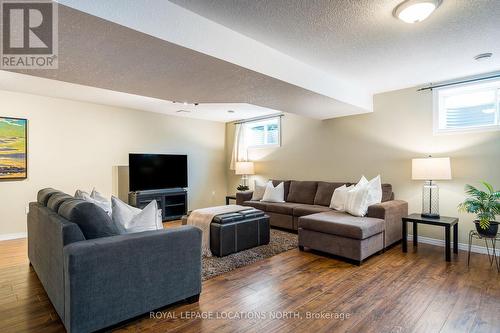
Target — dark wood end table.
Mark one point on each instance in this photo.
(444, 221)
(230, 197)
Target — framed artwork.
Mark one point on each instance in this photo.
(13, 148)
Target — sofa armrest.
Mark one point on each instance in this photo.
(112, 279)
(391, 211)
(241, 197)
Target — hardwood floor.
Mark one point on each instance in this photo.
(391, 292)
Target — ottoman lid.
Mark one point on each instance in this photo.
(246, 214)
(227, 218)
(251, 213)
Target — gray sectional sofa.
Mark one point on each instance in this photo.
(320, 228)
(95, 278)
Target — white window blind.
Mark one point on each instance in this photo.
(471, 107)
(263, 133)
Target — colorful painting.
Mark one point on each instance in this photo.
(13, 152)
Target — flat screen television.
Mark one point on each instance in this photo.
(154, 171)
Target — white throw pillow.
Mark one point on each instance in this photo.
(96, 198)
(258, 192)
(356, 198)
(274, 194)
(102, 202)
(130, 219)
(79, 194)
(375, 189)
(159, 220)
(339, 197)
(363, 195)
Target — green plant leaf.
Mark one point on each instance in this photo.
(484, 224)
(486, 205)
(488, 186)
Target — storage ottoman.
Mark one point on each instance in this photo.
(234, 232)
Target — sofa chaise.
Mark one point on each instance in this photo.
(306, 210)
(99, 282)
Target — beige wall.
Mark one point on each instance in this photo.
(80, 145)
(383, 142)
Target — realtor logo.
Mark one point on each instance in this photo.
(29, 34)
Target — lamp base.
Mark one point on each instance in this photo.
(430, 216)
(430, 200)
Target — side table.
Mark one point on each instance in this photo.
(230, 197)
(443, 221)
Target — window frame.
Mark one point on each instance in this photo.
(437, 100)
(267, 145)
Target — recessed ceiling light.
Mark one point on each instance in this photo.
(230, 111)
(413, 11)
(483, 56)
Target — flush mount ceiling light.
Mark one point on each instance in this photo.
(185, 103)
(413, 11)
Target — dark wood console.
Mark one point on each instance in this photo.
(172, 202)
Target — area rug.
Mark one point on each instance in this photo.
(281, 241)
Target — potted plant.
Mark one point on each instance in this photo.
(242, 188)
(486, 205)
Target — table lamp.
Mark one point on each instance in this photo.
(244, 169)
(430, 169)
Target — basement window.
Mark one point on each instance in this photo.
(263, 133)
(467, 108)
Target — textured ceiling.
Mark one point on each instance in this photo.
(98, 53)
(53, 88)
(361, 40)
(169, 22)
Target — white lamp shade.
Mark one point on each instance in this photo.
(244, 168)
(431, 168)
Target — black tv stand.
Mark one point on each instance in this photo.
(172, 202)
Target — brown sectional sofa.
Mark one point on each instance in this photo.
(321, 228)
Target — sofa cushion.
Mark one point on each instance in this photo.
(387, 192)
(92, 220)
(302, 192)
(324, 193)
(286, 184)
(44, 195)
(255, 204)
(301, 210)
(281, 208)
(56, 200)
(342, 224)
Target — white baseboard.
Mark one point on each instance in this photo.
(13, 236)
(461, 246)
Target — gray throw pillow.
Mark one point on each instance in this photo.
(92, 220)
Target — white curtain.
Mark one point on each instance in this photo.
(240, 151)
